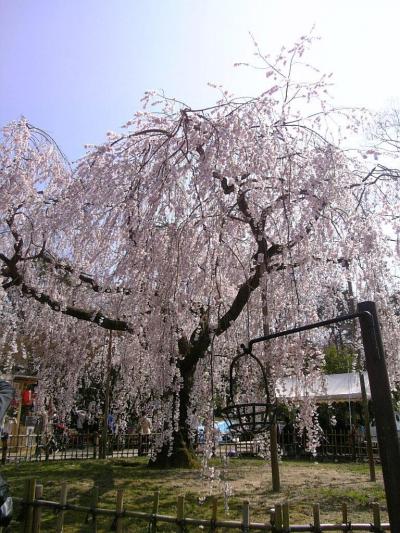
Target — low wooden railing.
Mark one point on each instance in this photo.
(277, 518)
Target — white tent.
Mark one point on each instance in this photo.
(331, 388)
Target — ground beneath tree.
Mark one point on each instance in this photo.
(303, 483)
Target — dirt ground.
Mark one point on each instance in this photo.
(302, 485)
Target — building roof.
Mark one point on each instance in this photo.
(331, 388)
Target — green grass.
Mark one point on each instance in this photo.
(302, 485)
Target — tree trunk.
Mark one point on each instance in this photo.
(182, 454)
(191, 352)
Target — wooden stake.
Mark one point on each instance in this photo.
(376, 512)
(63, 502)
(119, 510)
(37, 511)
(30, 489)
(95, 501)
(285, 515)
(214, 511)
(278, 516)
(246, 516)
(4, 447)
(156, 502)
(180, 513)
(317, 517)
(345, 519)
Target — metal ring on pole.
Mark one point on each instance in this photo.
(249, 418)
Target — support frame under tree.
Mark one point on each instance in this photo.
(389, 447)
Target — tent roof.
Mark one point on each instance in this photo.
(331, 388)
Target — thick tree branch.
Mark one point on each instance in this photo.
(15, 279)
(240, 300)
(84, 277)
(96, 317)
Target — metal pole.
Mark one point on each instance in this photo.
(389, 449)
(364, 399)
(368, 438)
(273, 433)
(276, 481)
(212, 393)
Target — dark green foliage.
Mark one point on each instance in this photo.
(338, 360)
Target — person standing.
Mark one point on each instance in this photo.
(144, 437)
(6, 395)
(6, 504)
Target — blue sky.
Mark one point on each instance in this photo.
(78, 68)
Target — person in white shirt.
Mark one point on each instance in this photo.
(6, 395)
(145, 432)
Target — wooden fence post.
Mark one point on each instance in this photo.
(95, 501)
(63, 502)
(119, 510)
(30, 489)
(214, 511)
(4, 447)
(376, 513)
(37, 511)
(156, 501)
(317, 517)
(180, 514)
(246, 517)
(278, 518)
(285, 516)
(345, 518)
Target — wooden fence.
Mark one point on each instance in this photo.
(277, 521)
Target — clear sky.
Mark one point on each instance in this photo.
(78, 68)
